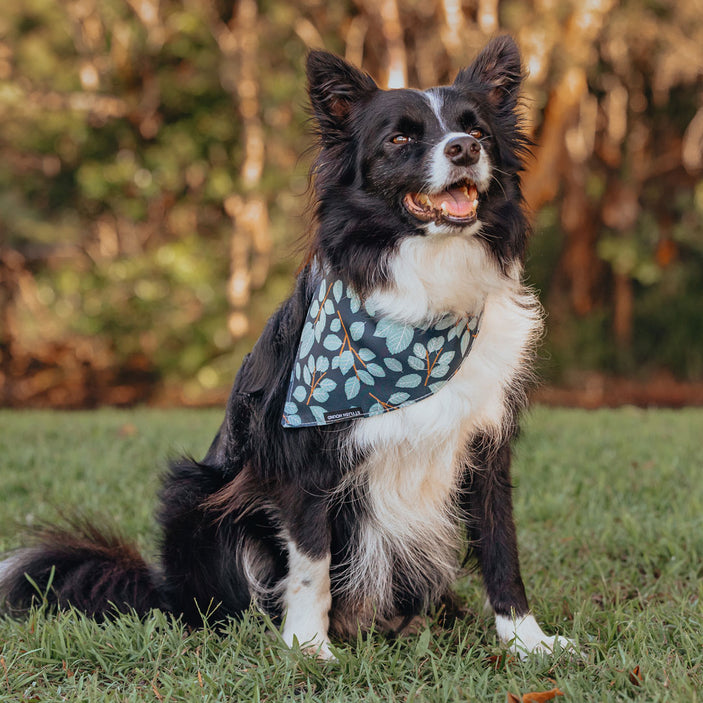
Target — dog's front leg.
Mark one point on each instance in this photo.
(307, 598)
(494, 542)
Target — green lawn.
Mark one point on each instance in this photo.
(610, 519)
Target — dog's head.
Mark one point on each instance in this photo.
(442, 161)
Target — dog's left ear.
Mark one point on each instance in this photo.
(499, 69)
(335, 86)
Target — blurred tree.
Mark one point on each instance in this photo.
(122, 153)
(149, 167)
(621, 159)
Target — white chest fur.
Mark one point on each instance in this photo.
(433, 276)
(416, 454)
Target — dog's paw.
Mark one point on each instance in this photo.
(312, 645)
(320, 650)
(525, 637)
(548, 645)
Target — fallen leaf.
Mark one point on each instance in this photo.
(494, 660)
(4, 668)
(635, 676)
(541, 696)
(512, 698)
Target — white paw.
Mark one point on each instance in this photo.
(546, 646)
(312, 645)
(321, 651)
(524, 637)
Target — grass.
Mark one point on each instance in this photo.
(609, 507)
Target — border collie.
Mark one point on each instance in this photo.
(366, 442)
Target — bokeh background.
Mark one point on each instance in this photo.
(153, 159)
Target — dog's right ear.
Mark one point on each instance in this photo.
(334, 87)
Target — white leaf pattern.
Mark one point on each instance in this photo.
(445, 323)
(346, 361)
(320, 395)
(415, 363)
(439, 371)
(446, 357)
(327, 384)
(306, 339)
(366, 354)
(318, 413)
(332, 342)
(300, 393)
(352, 387)
(393, 364)
(435, 344)
(337, 290)
(411, 380)
(398, 398)
(356, 330)
(365, 377)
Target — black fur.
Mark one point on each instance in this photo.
(259, 481)
(80, 565)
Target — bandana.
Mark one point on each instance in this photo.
(353, 363)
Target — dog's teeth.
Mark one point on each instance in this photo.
(475, 203)
(444, 208)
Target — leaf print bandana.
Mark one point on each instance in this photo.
(352, 362)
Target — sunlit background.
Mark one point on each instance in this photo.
(153, 159)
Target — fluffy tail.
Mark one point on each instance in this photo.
(79, 565)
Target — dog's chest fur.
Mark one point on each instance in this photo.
(416, 455)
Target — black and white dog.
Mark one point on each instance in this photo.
(361, 515)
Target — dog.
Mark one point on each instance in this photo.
(366, 443)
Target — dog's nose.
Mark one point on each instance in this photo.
(463, 151)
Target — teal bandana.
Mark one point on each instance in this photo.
(353, 363)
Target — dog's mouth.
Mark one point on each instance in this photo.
(456, 205)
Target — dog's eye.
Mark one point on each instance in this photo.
(476, 133)
(400, 139)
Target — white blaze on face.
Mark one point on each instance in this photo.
(442, 173)
(434, 98)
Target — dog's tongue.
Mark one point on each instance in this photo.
(458, 201)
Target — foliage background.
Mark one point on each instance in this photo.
(152, 186)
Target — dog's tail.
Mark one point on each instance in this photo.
(79, 565)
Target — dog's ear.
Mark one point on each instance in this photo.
(334, 87)
(498, 69)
